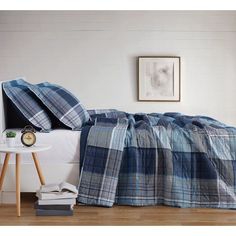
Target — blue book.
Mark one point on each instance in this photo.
(53, 207)
(40, 212)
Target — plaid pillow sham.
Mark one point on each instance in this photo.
(63, 104)
(21, 96)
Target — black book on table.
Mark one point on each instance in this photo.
(40, 212)
(52, 207)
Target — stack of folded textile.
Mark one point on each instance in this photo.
(56, 199)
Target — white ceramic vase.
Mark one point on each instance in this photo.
(11, 142)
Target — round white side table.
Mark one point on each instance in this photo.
(18, 150)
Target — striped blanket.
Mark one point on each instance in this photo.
(149, 159)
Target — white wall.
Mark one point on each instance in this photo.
(94, 55)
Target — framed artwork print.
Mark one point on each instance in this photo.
(159, 79)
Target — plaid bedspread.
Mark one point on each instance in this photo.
(149, 159)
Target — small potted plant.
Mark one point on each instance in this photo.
(11, 138)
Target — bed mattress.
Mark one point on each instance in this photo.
(65, 146)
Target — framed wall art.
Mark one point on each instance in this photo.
(159, 78)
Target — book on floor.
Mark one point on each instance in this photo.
(40, 212)
(65, 201)
(64, 186)
(53, 207)
(55, 195)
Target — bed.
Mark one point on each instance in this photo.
(136, 159)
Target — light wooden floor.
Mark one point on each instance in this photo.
(118, 215)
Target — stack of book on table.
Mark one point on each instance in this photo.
(56, 199)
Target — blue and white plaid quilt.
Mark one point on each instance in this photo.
(149, 159)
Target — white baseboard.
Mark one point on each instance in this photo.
(8, 198)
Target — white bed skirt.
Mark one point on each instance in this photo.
(65, 147)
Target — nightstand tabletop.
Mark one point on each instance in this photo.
(22, 149)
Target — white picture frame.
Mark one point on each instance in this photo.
(159, 78)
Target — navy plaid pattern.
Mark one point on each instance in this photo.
(106, 113)
(99, 176)
(171, 159)
(20, 95)
(63, 104)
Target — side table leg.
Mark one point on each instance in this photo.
(40, 173)
(18, 183)
(4, 169)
